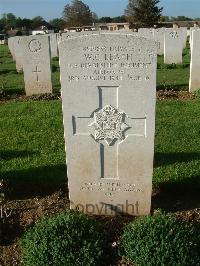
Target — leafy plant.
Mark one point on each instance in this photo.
(171, 66)
(3, 85)
(197, 93)
(69, 238)
(161, 240)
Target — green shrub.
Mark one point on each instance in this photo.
(171, 66)
(161, 240)
(197, 93)
(66, 239)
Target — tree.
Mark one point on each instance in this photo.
(181, 18)
(165, 19)
(77, 14)
(119, 19)
(105, 20)
(94, 17)
(27, 23)
(38, 21)
(9, 21)
(145, 12)
(58, 23)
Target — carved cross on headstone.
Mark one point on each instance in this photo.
(109, 126)
(37, 71)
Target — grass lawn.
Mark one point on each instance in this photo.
(168, 76)
(32, 143)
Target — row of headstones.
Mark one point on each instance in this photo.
(170, 42)
(108, 87)
(37, 69)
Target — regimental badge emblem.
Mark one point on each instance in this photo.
(174, 34)
(34, 46)
(109, 125)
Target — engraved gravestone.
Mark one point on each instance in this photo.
(173, 46)
(36, 65)
(108, 92)
(194, 83)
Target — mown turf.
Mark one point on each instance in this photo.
(177, 142)
(168, 76)
(32, 143)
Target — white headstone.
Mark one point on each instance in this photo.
(11, 46)
(53, 44)
(146, 32)
(195, 62)
(191, 30)
(109, 91)
(173, 46)
(184, 36)
(158, 36)
(18, 53)
(36, 64)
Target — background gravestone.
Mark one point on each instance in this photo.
(36, 65)
(146, 32)
(195, 61)
(173, 46)
(53, 44)
(18, 53)
(108, 91)
(11, 46)
(158, 36)
(184, 36)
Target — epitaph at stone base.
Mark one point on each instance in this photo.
(108, 92)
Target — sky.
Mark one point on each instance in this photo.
(50, 9)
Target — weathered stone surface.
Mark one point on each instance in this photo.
(146, 32)
(11, 46)
(108, 91)
(53, 44)
(173, 46)
(184, 36)
(36, 64)
(158, 36)
(18, 53)
(195, 61)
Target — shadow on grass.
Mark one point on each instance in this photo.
(181, 195)
(177, 195)
(174, 157)
(8, 71)
(12, 93)
(11, 154)
(33, 182)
